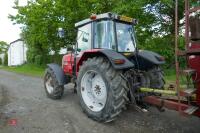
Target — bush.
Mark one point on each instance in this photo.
(1, 62)
(165, 47)
(37, 57)
(56, 59)
(31, 56)
(38, 60)
(5, 61)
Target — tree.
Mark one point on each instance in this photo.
(3, 47)
(42, 18)
(156, 23)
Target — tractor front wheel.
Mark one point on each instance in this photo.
(101, 89)
(51, 85)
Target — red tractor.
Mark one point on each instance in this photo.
(107, 68)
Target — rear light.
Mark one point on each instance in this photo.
(93, 16)
(119, 61)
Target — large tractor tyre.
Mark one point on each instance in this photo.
(101, 89)
(156, 77)
(51, 85)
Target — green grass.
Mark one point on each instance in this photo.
(170, 78)
(170, 75)
(27, 69)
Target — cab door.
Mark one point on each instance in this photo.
(84, 40)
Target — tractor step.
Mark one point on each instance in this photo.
(188, 71)
(190, 91)
(190, 110)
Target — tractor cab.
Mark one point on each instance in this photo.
(107, 31)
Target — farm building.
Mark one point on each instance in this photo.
(17, 53)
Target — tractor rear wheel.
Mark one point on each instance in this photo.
(101, 89)
(51, 85)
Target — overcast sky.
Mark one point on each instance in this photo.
(8, 31)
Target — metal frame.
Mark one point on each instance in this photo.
(176, 54)
(178, 104)
(170, 104)
(190, 51)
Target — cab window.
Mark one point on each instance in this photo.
(104, 35)
(84, 37)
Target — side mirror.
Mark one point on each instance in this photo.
(61, 32)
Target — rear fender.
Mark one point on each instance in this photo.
(106, 53)
(112, 55)
(59, 73)
(151, 57)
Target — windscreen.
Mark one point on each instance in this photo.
(125, 37)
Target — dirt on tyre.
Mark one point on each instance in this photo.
(101, 89)
(51, 85)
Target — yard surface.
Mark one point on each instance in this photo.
(24, 108)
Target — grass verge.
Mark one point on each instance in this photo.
(170, 78)
(27, 69)
(170, 75)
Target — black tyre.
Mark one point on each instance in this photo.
(101, 90)
(156, 77)
(52, 88)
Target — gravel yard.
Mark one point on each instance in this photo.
(24, 108)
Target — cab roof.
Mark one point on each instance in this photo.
(106, 16)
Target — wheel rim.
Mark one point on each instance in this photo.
(48, 85)
(93, 91)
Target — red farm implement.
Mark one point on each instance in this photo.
(188, 99)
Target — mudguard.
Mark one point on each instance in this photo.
(109, 54)
(113, 55)
(60, 76)
(152, 57)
